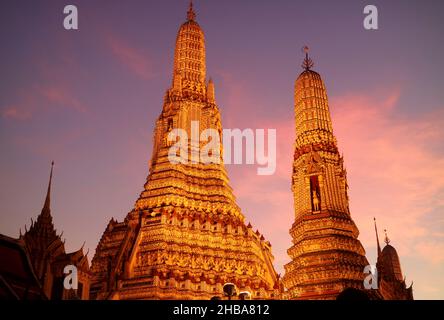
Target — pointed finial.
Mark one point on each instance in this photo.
(46, 207)
(190, 14)
(308, 63)
(387, 240)
(377, 237)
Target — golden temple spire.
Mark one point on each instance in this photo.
(191, 16)
(308, 63)
(377, 238)
(189, 57)
(319, 185)
(193, 195)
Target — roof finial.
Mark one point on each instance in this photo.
(308, 63)
(387, 240)
(190, 14)
(46, 207)
(377, 237)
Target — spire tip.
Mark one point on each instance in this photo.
(308, 62)
(46, 207)
(190, 14)
(387, 240)
(377, 237)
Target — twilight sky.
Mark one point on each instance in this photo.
(88, 100)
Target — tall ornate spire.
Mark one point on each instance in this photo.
(325, 238)
(189, 57)
(175, 237)
(377, 238)
(46, 207)
(308, 63)
(191, 16)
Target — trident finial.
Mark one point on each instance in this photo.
(387, 240)
(308, 63)
(190, 14)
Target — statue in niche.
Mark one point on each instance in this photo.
(170, 124)
(315, 193)
(315, 201)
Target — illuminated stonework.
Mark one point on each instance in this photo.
(326, 255)
(186, 236)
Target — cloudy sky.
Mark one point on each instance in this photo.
(88, 100)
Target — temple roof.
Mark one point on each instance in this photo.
(389, 259)
(42, 232)
(392, 265)
(18, 279)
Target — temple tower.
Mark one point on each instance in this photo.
(327, 256)
(186, 236)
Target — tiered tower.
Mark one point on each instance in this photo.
(186, 237)
(327, 256)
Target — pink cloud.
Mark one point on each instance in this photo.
(267, 201)
(61, 96)
(394, 172)
(16, 113)
(42, 98)
(134, 59)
